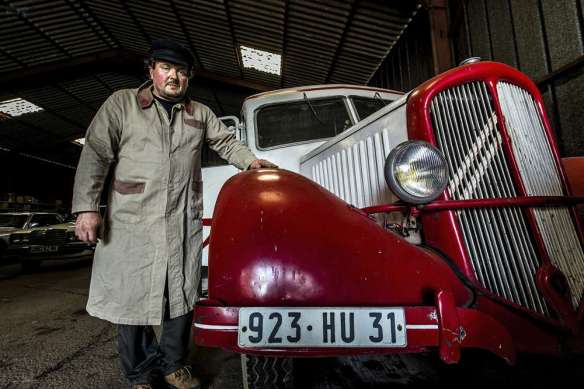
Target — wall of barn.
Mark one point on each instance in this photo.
(25, 178)
(409, 62)
(543, 38)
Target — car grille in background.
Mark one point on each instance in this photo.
(17, 238)
(48, 237)
(540, 177)
(498, 240)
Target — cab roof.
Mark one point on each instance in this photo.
(309, 88)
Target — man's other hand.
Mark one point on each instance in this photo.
(260, 163)
(86, 226)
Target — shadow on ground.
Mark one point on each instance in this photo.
(477, 369)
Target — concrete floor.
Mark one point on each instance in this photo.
(47, 340)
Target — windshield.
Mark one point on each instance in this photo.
(16, 221)
(301, 121)
(365, 106)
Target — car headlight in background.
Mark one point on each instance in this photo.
(19, 238)
(416, 172)
(71, 236)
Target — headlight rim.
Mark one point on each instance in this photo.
(394, 185)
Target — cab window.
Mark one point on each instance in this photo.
(301, 121)
(365, 106)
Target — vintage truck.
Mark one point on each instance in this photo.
(283, 125)
(441, 222)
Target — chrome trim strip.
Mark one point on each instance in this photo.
(215, 327)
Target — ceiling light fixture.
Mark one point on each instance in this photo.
(263, 61)
(18, 107)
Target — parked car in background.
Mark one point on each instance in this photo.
(11, 222)
(31, 237)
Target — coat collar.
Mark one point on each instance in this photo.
(146, 98)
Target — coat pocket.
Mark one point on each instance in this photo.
(124, 187)
(126, 201)
(195, 123)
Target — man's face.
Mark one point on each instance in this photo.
(170, 80)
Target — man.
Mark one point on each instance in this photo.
(146, 268)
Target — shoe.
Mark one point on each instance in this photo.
(183, 379)
(142, 386)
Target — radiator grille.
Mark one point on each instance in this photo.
(541, 178)
(497, 239)
(355, 174)
(48, 237)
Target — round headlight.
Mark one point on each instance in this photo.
(416, 172)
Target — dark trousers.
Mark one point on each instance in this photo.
(140, 352)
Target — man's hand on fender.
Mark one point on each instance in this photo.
(86, 226)
(260, 163)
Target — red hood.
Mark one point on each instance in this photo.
(279, 239)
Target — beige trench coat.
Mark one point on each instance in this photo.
(153, 224)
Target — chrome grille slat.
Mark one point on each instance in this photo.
(359, 181)
(519, 223)
(512, 216)
(507, 268)
(346, 186)
(380, 154)
(474, 217)
(351, 171)
(480, 218)
(335, 175)
(483, 268)
(372, 168)
(367, 196)
(539, 174)
(468, 231)
(478, 191)
(498, 241)
(48, 237)
(356, 173)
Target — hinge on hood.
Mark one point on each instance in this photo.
(409, 228)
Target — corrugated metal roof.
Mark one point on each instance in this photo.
(327, 41)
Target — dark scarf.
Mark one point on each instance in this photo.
(167, 104)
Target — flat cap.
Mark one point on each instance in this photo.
(171, 51)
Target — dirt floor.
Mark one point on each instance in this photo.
(47, 340)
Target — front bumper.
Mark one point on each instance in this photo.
(72, 249)
(443, 327)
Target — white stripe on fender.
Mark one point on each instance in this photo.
(422, 326)
(215, 327)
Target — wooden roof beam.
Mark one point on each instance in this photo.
(116, 61)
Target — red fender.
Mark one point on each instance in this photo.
(279, 239)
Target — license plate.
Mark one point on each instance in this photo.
(44, 249)
(322, 327)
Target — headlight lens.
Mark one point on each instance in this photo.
(416, 172)
(19, 238)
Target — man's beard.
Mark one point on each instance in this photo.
(176, 95)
